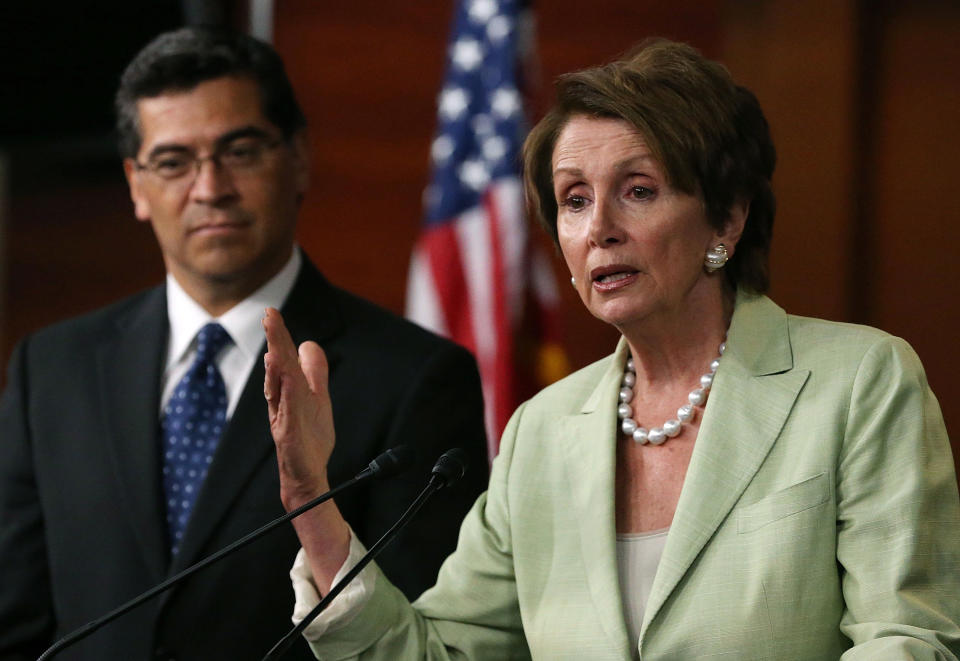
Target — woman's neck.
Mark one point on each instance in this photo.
(678, 345)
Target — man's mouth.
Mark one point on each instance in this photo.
(217, 227)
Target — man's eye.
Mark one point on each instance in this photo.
(243, 154)
(640, 192)
(171, 165)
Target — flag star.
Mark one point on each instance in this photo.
(454, 102)
(432, 196)
(505, 101)
(442, 148)
(498, 28)
(494, 148)
(483, 125)
(474, 174)
(482, 11)
(467, 54)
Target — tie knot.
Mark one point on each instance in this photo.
(210, 340)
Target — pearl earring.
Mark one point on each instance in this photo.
(715, 258)
(573, 281)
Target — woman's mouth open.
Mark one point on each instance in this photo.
(613, 278)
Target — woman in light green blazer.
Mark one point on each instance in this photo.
(800, 504)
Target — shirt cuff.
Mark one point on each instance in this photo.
(347, 604)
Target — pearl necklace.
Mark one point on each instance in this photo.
(672, 427)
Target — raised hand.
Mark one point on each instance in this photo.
(301, 422)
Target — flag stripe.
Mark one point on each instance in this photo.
(469, 277)
(451, 289)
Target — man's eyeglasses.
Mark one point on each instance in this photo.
(238, 156)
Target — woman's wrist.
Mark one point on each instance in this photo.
(325, 538)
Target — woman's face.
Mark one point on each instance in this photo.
(634, 244)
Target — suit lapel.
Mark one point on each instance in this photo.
(129, 365)
(753, 393)
(310, 314)
(589, 457)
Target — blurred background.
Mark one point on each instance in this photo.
(863, 98)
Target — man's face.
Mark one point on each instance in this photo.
(226, 225)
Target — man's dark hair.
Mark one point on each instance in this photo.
(182, 59)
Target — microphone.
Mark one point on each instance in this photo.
(389, 463)
(449, 468)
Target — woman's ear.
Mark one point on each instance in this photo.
(733, 226)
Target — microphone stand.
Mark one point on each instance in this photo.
(386, 464)
(449, 469)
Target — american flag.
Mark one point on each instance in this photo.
(474, 275)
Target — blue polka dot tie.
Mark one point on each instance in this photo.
(191, 425)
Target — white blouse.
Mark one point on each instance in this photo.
(638, 555)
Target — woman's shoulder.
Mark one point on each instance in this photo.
(812, 332)
(813, 340)
(831, 339)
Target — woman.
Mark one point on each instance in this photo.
(733, 482)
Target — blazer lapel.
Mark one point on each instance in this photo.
(129, 365)
(589, 457)
(310, 314)
(754, 391)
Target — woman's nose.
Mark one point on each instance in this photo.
(606, 225)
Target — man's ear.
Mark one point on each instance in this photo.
(141, 205)
(733, 226)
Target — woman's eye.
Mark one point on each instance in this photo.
(640, 192)
(574, 202)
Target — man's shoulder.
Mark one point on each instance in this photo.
(382, 332)
(95, 325)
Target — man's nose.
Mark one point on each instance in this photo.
(212, 182)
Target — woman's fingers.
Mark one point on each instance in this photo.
(279, 360)
(313, 363)
(301, 420)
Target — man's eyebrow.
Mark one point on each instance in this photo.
(165, 147)
(250, 131)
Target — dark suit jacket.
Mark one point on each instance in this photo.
(81, 513)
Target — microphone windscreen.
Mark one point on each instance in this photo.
(451, 466)
(393, 461)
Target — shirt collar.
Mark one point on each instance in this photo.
(242, 321)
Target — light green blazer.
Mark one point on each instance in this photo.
(819, 519)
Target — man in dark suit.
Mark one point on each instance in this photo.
(104, 492)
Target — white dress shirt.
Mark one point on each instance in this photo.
(242, 322)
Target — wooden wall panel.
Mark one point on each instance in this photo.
(71, 248)
(915, 236)
(862, 99)
(799, 59)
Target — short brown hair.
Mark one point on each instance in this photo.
(708, 133)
